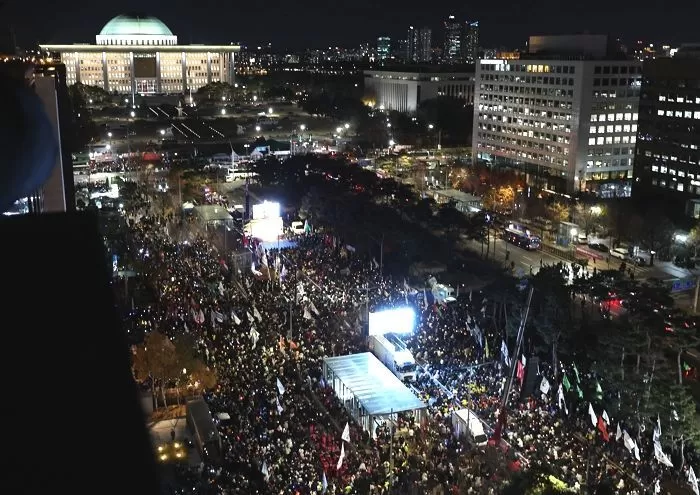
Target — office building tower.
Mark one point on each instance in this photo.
(453, 40)
(139, 54)
(564, 115)
(667, 161)
(383, 48)
(403, 91)
(411, 44)
(425, 45)
(470, 44)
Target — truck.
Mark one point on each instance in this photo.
(394, 354)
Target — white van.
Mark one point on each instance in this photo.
(466, 423)
(297, 228)
(619, 253)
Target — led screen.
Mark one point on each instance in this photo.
(399, 320)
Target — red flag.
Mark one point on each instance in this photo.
(520, 371)
(603, 429)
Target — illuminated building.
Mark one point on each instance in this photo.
(424, 49)
(403, 91)
(470, 44)
(453, 40)
(564, 115)
(667, 162)
(383, 47)
(139, 54)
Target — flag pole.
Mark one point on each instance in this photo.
(516, 351)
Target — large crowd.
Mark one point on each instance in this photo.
(284, 431)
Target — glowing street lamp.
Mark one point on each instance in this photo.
(302, 127)
(223, 111)
(391, 142)
(338, 130)
(269, 110)
(257, 128)
(347, 126)
(133, 114)
(430, 126)
(109, 134)
(162, 132)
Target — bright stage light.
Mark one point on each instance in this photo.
(265, 229)
(399, 320)
(266, 209)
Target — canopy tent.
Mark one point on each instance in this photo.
(368, 390)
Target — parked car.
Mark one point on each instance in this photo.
(599, 247)
(619, 253)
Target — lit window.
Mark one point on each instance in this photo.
(608, 140)
(662, 98)
(625, 139)
(674, 158)
(633, 139)
(618, 116)
(599, 140)
(635, 116)
(680, 99)
(634, 127)
(594, 118)
(591, 141)
(663, 169)
(680, 186)
(672, 172)
(611, 117)
(618, 128)
(696, 115)
(609, 129)
(616, 140)
(601, 117)
(601, 129)
(679, 114)
(654, 168)
(592, 130)
(681, 173)
(669, 113)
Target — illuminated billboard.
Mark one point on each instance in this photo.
(266, 209)
(398, 320)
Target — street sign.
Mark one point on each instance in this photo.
(683, 284)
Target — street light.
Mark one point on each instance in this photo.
(302, 127)
(431, 126)
(257, 128)
(391, 142)
(109, 134)
(347, 126)
(162, 132)
(133, 114)
(338, 130)
(223, 111)
(269, 110)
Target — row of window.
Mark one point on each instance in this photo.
(617, 93)
(600, 140)
(606, 151)
(533, 102)
(611, 162)
(685, 114)
(680, 99)
(674, 184)
(612, 117)
(682, 159)
(514, 131)
(548, 160)
(122, 42)
(557, 81)
(527, 90)
(623, 81)
(544, 68)
(537, 124)
(601, 129)
(617, 69)
(662, 169)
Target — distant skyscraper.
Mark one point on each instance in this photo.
(470, 44)
(412, 44)
(383, 47)
(667, 161)
(425, 39)
(453, 40)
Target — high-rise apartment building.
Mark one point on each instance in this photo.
(567, 120)
(452, 51)
(383, 48)
(411, 44)
(425, 45)
(667, 162)
(470, 43)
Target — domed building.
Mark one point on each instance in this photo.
(139, 54)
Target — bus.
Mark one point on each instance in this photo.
(521, 238)
(391, 351)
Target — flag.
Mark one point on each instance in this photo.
(279, 406)
(579, 391)
(265, 471)
(249, 316)
(280, 387)
(618, 433)
(324, 483)
(591, 412)
(566, 383)
(656, 436)
(254, 336)
(425, 298)
(313, 308)
(520, 371)
(523, 360)
(283, 273)
(693, 481)
(307, 314)
(661, 456)
(545, 386)
(627, 440)
(219, 317)
(578, 378)
(560, 399)
(603, 429)
(636, 451)
(487, 353)
(256, 313)
(606, 417)
(504, 353)
(346, 433)
(598, 390)
(235, 318)
(342, 456)
(221, 288)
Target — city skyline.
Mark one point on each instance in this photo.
(317, 27)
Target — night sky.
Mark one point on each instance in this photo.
(319, 23)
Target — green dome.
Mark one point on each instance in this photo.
(138, 25)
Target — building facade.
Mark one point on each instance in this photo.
(134, 54)
(567, 125)
(404, 91)
(383, 48)
(667, 162)
(470, 44)
(425, 45)
(452, 51)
